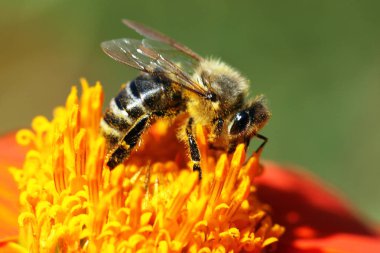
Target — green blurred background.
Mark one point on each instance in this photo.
(318, 62)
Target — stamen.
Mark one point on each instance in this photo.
(71, 201)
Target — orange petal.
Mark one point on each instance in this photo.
(11, 154)
(316, 218)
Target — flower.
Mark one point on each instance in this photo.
(70, 202)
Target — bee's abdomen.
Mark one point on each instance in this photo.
(139, 96)
(144, 95)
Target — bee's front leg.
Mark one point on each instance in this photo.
(218, 126)
(193, 147)
(261, 147)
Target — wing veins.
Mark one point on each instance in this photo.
(155, 35)
(147, 59)
(184, 78)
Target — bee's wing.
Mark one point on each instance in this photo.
(153, 59)
(155, 35)
(182, 60)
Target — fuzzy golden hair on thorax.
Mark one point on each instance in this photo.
(227, 83)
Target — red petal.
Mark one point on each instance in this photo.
(10, 155)
(316, 218)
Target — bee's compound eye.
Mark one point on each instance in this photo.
(239, 123)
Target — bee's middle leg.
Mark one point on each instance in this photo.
(128, 142)
(193, 146)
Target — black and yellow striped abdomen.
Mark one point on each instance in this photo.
(144, 98)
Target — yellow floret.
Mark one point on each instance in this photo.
(71, 202)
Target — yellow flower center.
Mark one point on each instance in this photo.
(71, 202)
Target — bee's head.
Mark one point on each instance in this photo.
(247, 122)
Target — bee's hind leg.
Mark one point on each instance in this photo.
(193, 147)
(128, 142)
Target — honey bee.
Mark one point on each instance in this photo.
(175, 80)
